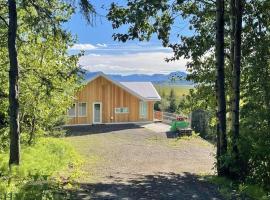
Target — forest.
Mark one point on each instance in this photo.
(229, 63)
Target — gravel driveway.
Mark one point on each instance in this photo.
(135, 162)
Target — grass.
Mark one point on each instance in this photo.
(233, 190)
(179, 90)
(44, 169)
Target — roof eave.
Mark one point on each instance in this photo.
(153, 99)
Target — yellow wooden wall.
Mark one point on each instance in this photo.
(111, 96)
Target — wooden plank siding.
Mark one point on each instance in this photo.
(111, 96)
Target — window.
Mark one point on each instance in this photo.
(72, 111)
(82, 110)
(121, 110)
(143, 109)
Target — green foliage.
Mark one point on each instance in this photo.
(200, 124)
(88, 11)
(44, 98)
(255, 153)
(172, 102)
(255, 112)
(145, 19)
(180, 91)
(3, 100)
(4, 139)
(39, 173)
(204, 121)
(49, 77)
(235, 190)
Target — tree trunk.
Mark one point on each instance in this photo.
(237, 12)
(232, 29)
(13, 86)
(220, 89)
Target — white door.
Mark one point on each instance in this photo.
(97, 113)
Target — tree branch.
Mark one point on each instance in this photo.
(3, 19)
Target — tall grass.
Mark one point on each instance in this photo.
(41, 169)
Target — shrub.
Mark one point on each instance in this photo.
(40, 169)
(235, 190)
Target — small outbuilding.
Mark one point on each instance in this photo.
(103, 100)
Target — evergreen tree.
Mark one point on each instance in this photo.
(172, 101)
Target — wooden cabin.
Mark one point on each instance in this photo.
(103, 100)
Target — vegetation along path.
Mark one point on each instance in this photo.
(133, 162)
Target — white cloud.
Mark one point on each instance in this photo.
(143, 62)
(94, 54)
(83, 47)
(139, 47)
(102, 45)
(119, 48)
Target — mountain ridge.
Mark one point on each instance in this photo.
(177, 77)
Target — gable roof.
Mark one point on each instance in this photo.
(145, 89)
(142, 90)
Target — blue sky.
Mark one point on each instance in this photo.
(102, 53)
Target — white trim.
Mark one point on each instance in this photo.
(93, 112)
(75, 109)
(85, 110)
(101, 74)
(155, 99)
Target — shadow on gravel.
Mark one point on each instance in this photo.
(97, 128)
(162, 186)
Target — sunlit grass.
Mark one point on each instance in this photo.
(43, 168)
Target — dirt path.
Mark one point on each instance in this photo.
(138, 163)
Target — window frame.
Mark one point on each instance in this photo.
(121, 108)
(75, 111)
(144, 107)
(79, 114)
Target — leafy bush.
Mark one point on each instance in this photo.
(235, 190)
(39, 172)
(4, 136)
(256, 155)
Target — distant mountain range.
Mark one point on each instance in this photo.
(176, 78)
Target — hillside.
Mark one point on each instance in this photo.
(176, 78)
